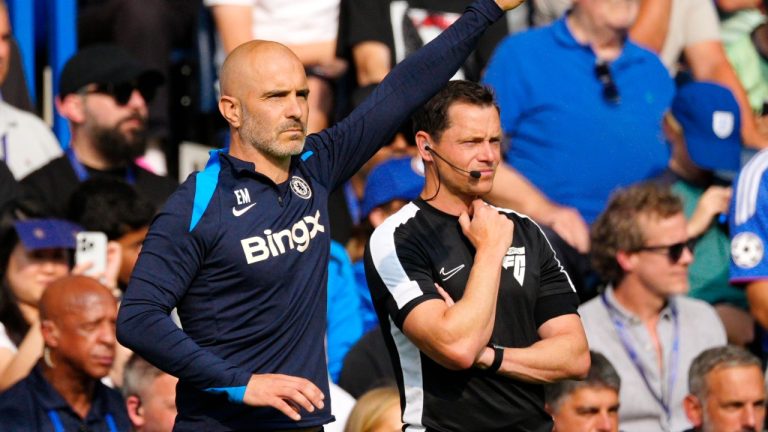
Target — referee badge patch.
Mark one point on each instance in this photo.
(515, 258)
(300, 187)
(747, 250)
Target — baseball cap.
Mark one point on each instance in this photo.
(104, 64)
(400, 178)
(709, 116)
(37, 234)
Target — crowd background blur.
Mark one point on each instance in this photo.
(105, 105)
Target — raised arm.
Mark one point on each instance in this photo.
(412, 82)
(652, 24)
(455, 335)
(234, 24)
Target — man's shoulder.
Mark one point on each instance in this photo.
(592, 309)
(144, 174)
(516, 217)
(22, 118)
(695, 310)
(51, 170)
(20, 393)
(400, 218)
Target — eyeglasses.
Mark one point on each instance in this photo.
(122, 92)
(610, 91)
(674, 251)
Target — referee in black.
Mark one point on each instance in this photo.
(475, 308)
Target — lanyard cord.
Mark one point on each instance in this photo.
(58, 426)
(635, 358)
(82, 173)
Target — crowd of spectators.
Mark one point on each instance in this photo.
(634, 135)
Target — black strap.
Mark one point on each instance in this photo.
(498, 356)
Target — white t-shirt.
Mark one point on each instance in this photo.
(342, 405)
(291, 22)
(690, 22)
(5, 341)
(26, 142)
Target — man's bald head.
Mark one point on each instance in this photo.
(264, 95)
(250, 62)
(71, 294)
(78, 317)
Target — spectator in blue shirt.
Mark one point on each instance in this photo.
(582, 106)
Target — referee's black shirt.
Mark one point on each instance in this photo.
(420, 246)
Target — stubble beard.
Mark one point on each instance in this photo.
(253, 134)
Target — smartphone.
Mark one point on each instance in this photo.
(92, 248)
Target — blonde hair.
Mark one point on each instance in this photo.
(369, 410)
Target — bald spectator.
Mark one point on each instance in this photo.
(150, 396)
(727, 391)
(64, 391)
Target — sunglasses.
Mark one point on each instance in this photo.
(674, 251)
(122, 92)
(610, 91)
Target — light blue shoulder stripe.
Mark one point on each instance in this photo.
(234, 394)
(205, 186)
(306, 155)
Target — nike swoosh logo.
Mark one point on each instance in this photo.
(242, 211)
(449, 274)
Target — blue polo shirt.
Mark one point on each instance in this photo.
(33, 404)
(565, 137)
(245, 260)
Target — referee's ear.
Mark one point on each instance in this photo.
(423, 143)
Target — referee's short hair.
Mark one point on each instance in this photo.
(601, 375)
(716, 358)
(432, 117)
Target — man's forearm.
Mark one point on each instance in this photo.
(757, 295)
(564, 355)
(513, 191)
(652, 24)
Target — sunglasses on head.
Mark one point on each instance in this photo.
(610, 91)
(674, 251)
(122, 92)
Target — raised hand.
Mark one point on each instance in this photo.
(285, 393)
(509, 4)
(487, 228)
(713, 201)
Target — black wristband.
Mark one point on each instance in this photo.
(498, 356)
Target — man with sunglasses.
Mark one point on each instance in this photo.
(582, 105)
(103, 93)
(643, 322)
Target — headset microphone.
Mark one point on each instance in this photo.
(474, 174)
